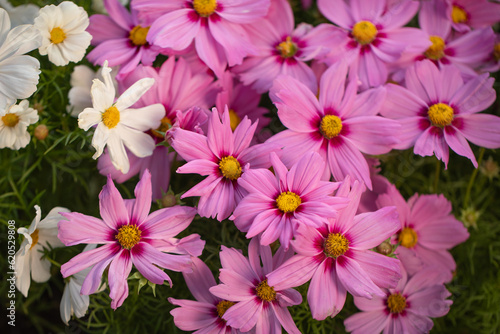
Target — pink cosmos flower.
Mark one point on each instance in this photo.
(428, 230)
(120, 38)
(223, 156)
(340, 125)
(216, 26)
(337, 258)
(405, 309)
(371, 36)
(281, 49)
(438, 110)
(492, 62)
(130, 236)
(258, 304)
(380, 186)
(205, 314)
(277, 205)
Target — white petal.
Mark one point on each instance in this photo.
(65, 306)
(118, 154)
(88, 118)
(139, 143)
(102, 135)
(134, 93)
(143, 119)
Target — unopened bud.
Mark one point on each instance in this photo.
(168, 200)
(384, 248)
(41, 132)
(38, 107)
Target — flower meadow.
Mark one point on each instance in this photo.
(235, 166)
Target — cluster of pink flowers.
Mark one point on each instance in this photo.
(362, 85)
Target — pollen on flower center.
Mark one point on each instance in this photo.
(166, 124)
(10, 120)
(287, 48)
(330, 126)
(138, 35)
(335, 245)
(234, 119)
(230, 167)
(111, 117)
(440, 114)
(458, 14)
(396, 303)
(205, 7)
(128, 236)
(265, 292)
(364, 32)
(57, 35)
(223, 306)
(408, 237)
(436, 50)
(34, 238)
(288, 201)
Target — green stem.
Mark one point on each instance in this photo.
(436, 175)
(473, 177)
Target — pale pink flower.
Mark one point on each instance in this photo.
(258, 304)
(337, 258)
(130, 236)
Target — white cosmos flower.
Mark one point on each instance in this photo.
(119, 126)
(22, 14)
(29, 262)
(18, 72)
(62, 28)
(14, 123)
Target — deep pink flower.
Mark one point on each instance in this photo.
(438, 110)
(405, 309)
(428, 230)
(215, 26)
(130, 236)
(257, 304)
(223, 156)
(340, 125)
(278, 204)
(337, 258)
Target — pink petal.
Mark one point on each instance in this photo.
(445, 234)
(399, 14)
(332, 86)
(192, 315)
(296, 144)
(368, 305)
(243, 135)
(401, 102)
(285, 319)
(301, 72)
(433, 20)
(143, 194)
(410, 131)
(249, 208)
(355, 279)
(294, 272)
(220, 202)
(190, 145)
(363, 10)
(119, 14)
(430, 142)
(210, 51)
(384, 271)
(234, 40)
(304, 176)
(117, 277)
(244, 11)
(431, 301)
(424, 80)
(258, 155)
(481, 129)
(372, 228)
(199, 281)
(258, 254)
(233, 260)
(476, 95)
(235, 287)
(103, 28)
(116, 51)
(112, 207)
(175, 29)
(372, 70)
(337, 11)
(167, 222)
(89, 258)
(83, 229)
(345, 159)
(244, 315)
(367, 103)
(220, 137)
(459, 144)
(199, 166)
(260, 181)
(367, 322)
(373, 134)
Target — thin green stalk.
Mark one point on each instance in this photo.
(473, 177)
(436, 175)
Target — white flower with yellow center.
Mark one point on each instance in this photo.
(119, 126)
(29, 261)
(62, 27)
(14, 123)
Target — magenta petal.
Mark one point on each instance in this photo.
(372, 228)
(367, 322)
(459, 144)
(210, 51)
(119, 270)
(233, 39)
(174, 262)
(199, 166)
(193, 315)
(89, 258)
(297, 144)
(260, 181)
(345, 159)
(294, 272)
(430, 142)
(244, 315)
(199, 281)
(149, 271)
(355, 279)
(249, 208)
(168, 222)
(482, 130)
(220, 137)
(119, 14)
(373, 134)
(103, 28)
(112, 207)
(384, 271)
(115, 51)
(401, 102)
(83, 229)
(174, 30)
(304, 176)
(233, 260)
(332, 86)
(93, 279)
(235, 287)
(190, 145)
(285, 319)
(260, 257)
(243, 135)
(143, 194)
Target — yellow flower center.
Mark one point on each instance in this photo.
(496, 51)
(408, 237)
(458, 14)
(205, 7)
(436, 50)
(166, 124)
(10, 120)
(111, 117)
(230, 168)
(440, 114)
(234, 119)
(138, 35)
(396, 303)
(288, 201)
(128, 236)
(287, 48)
(57, 35)
(223, 306)
(265, 292)
(335, 245)
(330, 126)
(364, 32)
(34, 238)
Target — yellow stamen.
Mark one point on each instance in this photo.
(335, 245)
(10, 120)
(34, 238)
(128, 236)
(330, 126)
(234, 119)
(205, 7)
(287, 48)
(230, 168)
(288, 201)
(223, 306)
(166, 124)
(138, 35)
(440, 114)
(265, 292)
(364, 32)
(436, 50)
(408, 237)
(111, 117)
(396, 303)
(57, 35)
(458, 14)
